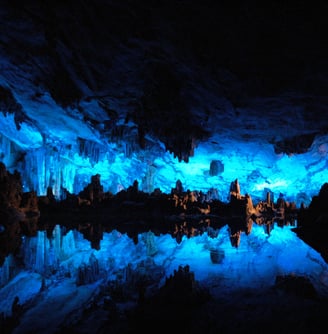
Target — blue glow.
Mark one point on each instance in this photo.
(257, 168)
(27, 137)
(63, 167)
(64, 152)
(56, 262)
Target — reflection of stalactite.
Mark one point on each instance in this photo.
(235, 239)
(249, 225)
(68, 245)
(217, 255)
(88, 273)
(150, 243)
(42, 247)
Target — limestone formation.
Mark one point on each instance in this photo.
(180, 213)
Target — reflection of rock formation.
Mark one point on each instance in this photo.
(313, 222)
(92, 232)
(150, 243)
(300, 286)
(217, 255)
(180, 213)
(182, 287)
(88, 272)
(243, 213)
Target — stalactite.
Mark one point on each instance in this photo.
(91, 150)
(9, 151)
(7, 270)
(148, 179)
(127, 138)
(34, 171)
(48, 167)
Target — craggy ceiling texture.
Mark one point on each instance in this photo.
(157, 91)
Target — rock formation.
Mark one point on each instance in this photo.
(181, 213)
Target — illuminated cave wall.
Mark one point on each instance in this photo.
(63, 162)
(67, 104)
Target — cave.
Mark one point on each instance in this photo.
(163, 166)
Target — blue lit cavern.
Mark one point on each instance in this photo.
(163, 167)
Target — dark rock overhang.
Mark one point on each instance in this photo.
(155, 56)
